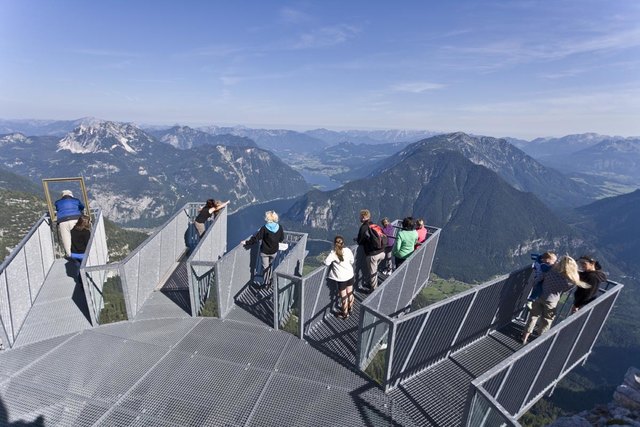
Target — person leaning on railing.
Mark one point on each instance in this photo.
(80, 235)
(406, 240)
(271, 234)
(68, 210)
(211, 207)
(592, 274)
(560, 278)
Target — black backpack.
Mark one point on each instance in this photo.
(377, 236)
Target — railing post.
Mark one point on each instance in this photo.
(391, 342)
(301, 314)
(276, 291)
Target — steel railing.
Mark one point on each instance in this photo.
(157, 257)
(381, 310)
(200, 264)
(96, 254)
(510, 388)
(238, 268)
(22, 275)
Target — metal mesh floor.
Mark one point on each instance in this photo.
(438, 396)
(171, 300)
(253, 305)
(201, 371)
(60, 307)
(339, 337)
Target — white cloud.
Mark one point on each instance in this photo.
(417, 87)
(326, 36)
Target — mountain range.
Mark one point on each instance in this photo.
(184, 137)
(513, 165)
(608, 164)
(488, 226)
(139, 180)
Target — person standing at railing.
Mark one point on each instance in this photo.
(592, 274)
(422, 232)
(271, 234)
(80, 235)
(68, 210)
(542, 264)
(373, 253)
(562, 277)
(211, 208)
(340, 262)
(389, 230)
(406, 240)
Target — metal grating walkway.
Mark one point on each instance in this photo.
(171, 300)
(253, 305)
(59, 308)
(338, 337)
(438, 396)
(201, 371)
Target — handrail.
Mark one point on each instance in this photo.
(558, 351)
(210, 248)
(96, 254)
(380, 310)
(460, 320)
(23, 242)
(20, 284)
(155, 257)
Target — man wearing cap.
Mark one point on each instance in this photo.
(68, 210)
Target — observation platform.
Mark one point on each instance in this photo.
(456, 362)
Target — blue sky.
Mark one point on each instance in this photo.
(500, 68)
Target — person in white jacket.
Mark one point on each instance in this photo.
(340, 262)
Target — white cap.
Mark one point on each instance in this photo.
(67, 193)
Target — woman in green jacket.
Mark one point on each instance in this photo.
(406, 240)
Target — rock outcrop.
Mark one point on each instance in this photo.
(624, 410)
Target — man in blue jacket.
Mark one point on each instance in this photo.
(68, 210)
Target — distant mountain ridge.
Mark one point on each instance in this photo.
(488, 226)
(136, 179)
(185, 137)
(614, 222)
(370, 137)
(281, 142)
(514, 166)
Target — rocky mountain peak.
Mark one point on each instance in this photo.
(15, 137)
(101, 136)
(623, 410)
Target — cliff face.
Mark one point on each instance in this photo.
(623, 410)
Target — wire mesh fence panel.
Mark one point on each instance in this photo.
(316, 297)
(484, 414)
(373, 332)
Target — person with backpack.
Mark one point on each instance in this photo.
(371, 240)
(406, 240)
